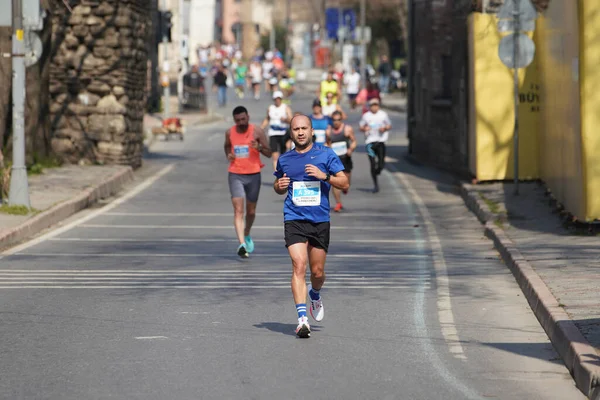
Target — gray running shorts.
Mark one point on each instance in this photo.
(245, 186)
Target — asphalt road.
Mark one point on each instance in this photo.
(146, 298)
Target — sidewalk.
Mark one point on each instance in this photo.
(59, 193)
(557, 268)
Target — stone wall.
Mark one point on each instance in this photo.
(97, 80)
(438, 129)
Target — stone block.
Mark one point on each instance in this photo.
(104, 9)
(61, 145)
(80, 30)
(99, 88)
(71, 41)
(82, 10)
(118, 91)
(103, 52)
(110, 105)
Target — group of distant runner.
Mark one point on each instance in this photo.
(311, 154)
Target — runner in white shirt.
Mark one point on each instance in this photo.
(255, 74)
(376, 124)
(277, 120)
(352, 82)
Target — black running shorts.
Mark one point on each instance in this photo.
(277, 143)
(316, 234)
(347, 163)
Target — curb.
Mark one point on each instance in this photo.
(64, 210)
(578, 355)
(393, 108)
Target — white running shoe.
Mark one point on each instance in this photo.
(316, 307)
(303, 328)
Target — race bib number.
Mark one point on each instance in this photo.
(320, 136)
(340, 148)
(306, 193)
(374, 127)
(241, 151)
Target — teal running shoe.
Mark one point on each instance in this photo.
(249, 244)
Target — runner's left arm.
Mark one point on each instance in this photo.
(337, 178)
(353, 142)
(260, 142)
(288, 115)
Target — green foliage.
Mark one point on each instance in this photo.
(42, 163)
(16, 210)
(280, 39)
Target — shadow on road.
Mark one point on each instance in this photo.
(286, 329)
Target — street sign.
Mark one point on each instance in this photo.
(32, 15)
(508, 25)
(526, 10)
(332, 21)
(525, 54)
(33, 48)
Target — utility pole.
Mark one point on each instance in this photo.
(517, 19)
(19, 186)
(167, 84)
(363, 44)
(340, 31)
(288, 27)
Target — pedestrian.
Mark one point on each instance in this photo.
(244, 143)
(220, 81)
(376, 125)
(385, 70)
(305, 175)
(341, 139)
(352, 82)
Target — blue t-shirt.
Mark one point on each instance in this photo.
(307, 198)
(320, 128)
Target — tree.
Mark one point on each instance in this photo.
(280, 39)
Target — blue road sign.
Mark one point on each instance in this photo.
(332, 21)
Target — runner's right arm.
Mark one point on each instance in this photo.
(227, 147)
(265, 122)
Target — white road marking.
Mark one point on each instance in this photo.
(151, 337)
(212, 255)
(232, 287)
(445, 313)
(202, 279)
(200, 271)
(348, 214)
(202, 240)
(444, 303)
(132, 193)
(259, 227)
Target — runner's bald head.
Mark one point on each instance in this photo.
(299, 117)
